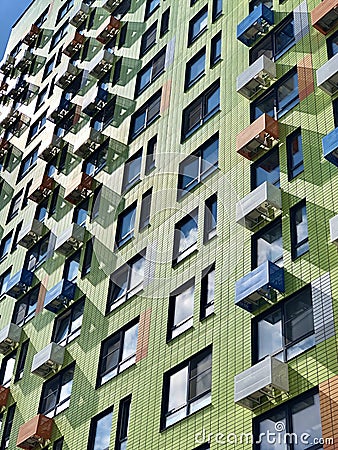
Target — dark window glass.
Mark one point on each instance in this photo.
(4, 278)
(100, 429)
(71, 267)
(15, 206)
(88, 256)
(142, 118)
(54, 200)
(210, 217)
(67, 326)
(42, 19)
(216, 49)
(36, 255)
(95, 208)
(7, 369)
(332, 45)
(185, 238)
(58, 445)
(41, 98)
(254, 3)
(151, 6)
(125, 225)
(5, 245)
(299, 230)
(145, 209)
(148, 39)
(27, 163)
(49, 67)
(59, 35)
(195, 68)
(197, 25)
(5, 441)
(132, 171)
(37, 126)
(150, 72)
(294, 150)
(15, 237)
(164, 28)
(123, 424)
(217, 6)
(207, 299)
(150, 154)
(63, 10)
(335, 112)
(81, 213)
(267, 245)
(181, 311)
(21, 361)
(25, 307)
(96, 161)
(266, 168)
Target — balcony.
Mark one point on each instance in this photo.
(70, 240)
(19, 283)
(5, 146)
(110, 30)
(29, 93)
(80, 15)
(49, 360)
(48, 153)
(262, 382)
(255, 25)
(327, 76)
(104, 64)
(8, 65)
(96, 102)
(4, 394)
(9, 338)
(258, 288)
(259, 206)
(325, 16)
(258, 137)
(88, 141)
(81, 186)
(75, 45)
(334, 230)
(41, 189)
(30, 234)
(61, 111)
(35, 433)
(60, 296)
(330, 147)
(32, 36)
(25, 61)
(17, 90)
(257, 77)
(111, 5)
(16, 121)
(68, 76)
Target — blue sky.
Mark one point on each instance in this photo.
(10, 11)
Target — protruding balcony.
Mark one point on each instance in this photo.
(8, 65)
(19, 283)
(330, 147)
(29, 93)
(9, 338)
(88, 141)
(30, 234)
(327, 75)
(25, 61)
(35, 433)
(48, 152)
(258, 137)
(32, 35)
(110, 30)
(70, 240)
(334, 230)
(41, 189)
(325, 16)
(68, 76)
(258, 288)
(257, 77)
(4, 394)
(60, 296)
(261, 383)
(48, 360)
(79, 188)
(105, 63)
(96, 102)
(111, 5)
(18, 122)
(259, 206)
(75, 45)
(61, 111)
(17, 90)
(255, 25)
(5, 146)
(80, 15)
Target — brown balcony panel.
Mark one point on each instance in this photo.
(325, 16)
(4, 393)
(30, 37)
(74, 45)
(36, 432)
(81, 187)
(3, 87)
(110, 31)
(4, 146)
(41, 190)
(258, 137)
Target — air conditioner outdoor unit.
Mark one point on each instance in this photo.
(48, 360)
(9, 337)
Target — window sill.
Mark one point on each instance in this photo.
(194, 39)
(130, 186)
(189, 86)
(176, 263)
(193, 131)
(184, 332)
(186, 417)
(118, 303)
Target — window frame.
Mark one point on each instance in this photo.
(259, 235)
(121, 240)
(179, 256)
(295, 245)
(189, 80)
(293, 169)
(210, 231)
(19, 371)
(30, 306)
(93, 426)
(175, 330)
(68, 317)
(122, 426)
(158, 59)
(150, 32)
(154, 100)
(193, 21)
(207, 307)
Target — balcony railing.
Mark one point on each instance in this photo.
(79, 188)
(32, 35)
(325, 16)
(257, 77)
(88, 141)
(75, 45)
(8, 65)
(30, 234)
(68, 76)
(105, 63)
(70, 240)
(330, 147)
(61, 111)
(111, 5)
(48, 152)
(258, 137)
(60, 296)
(258, 288)
(327, 76)
(255, 25)
(35, 433)
(24, 63)
(41, 189)
(109, 31)
(80, 15)
(96, 101)
(19, 283)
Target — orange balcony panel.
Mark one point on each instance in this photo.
(35, 432)
(4, 145)
(32, 35)
(258, 137)
(110, 30)
(41, 190)
(80, 188)
(74, 45)
(325, 16)
(4, 393)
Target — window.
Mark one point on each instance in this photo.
(126, 282)
(7, 428)
(7, 369)
(150, 72)
(142, 118)
(37, 126)
(200, 110)
(100, 429)
(195, 68)
(132, 171)
(123, 424)
(5, 245)
(25, 195)
(266, 168)
(63, 10)
(299, 417)
(95, 208)
(148, 39)
(96, 161)
(164, 28)
(299, 230)
(118, 352)
(42, 19)
(36, 255)
(56, 392)
(4, 278)
(41, 98)
(335, 112)
(267, 245)
(332, 45)
(197, 166)
(145, 209)
(216, 9)
(276, 43)
(49, 67)
(151, 6)
(294, 150)
(25, 307)
(67, 326)
(216, 49)
(59, 35)
(285, 330)
(197, 25)
(207, 292)
(21, 361)
(125, 225)
(186, 388)
(210, 217)
(150, 154)
(185, 238)
(87, 260)
(15, 206)
(27, 163)
(41, 211)
(254, 3)
(16, 236)
(58, 445)
(71, 267)
(81, 213)
(181, 311)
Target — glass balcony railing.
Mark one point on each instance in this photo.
(59, 296)
(255, 25)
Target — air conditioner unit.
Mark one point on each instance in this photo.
(30, 234)
(60, 296)
(261, 382)
(9, 337)
(327, 76)
(256, 77)
(70, 240)
(48, 360)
